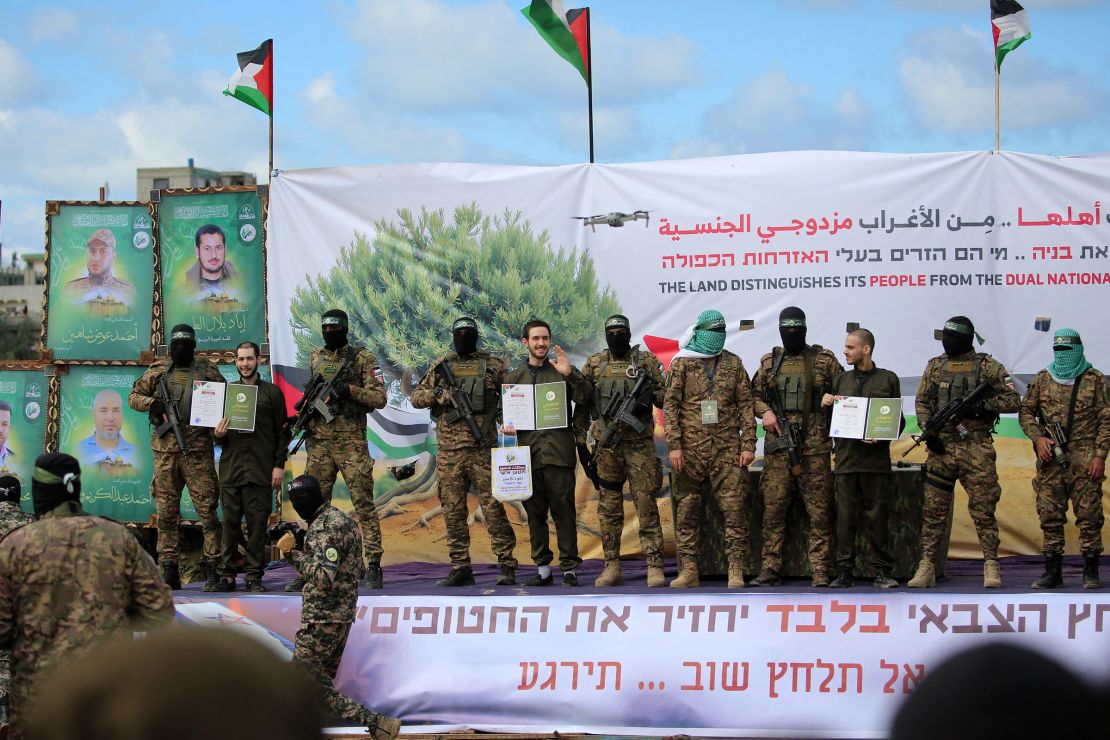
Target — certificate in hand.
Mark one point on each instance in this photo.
(207, 405)
(855, 417)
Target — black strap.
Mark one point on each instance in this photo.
(711, 371)
(1071, 406)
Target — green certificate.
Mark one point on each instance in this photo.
(884, 417)
(551, 405)
(240, 404)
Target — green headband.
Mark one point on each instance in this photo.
(1067, 341)
(617, 321)
(464, 323)
(182, 335)
(44, 476)
(958, 328)
(790, 323)
(333, 321)
(715, 324)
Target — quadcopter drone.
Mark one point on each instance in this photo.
(615, 219)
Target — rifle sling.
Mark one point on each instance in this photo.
(1071, 405)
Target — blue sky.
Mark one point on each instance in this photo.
(89, 92)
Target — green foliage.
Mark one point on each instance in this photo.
(403, 290)
(20, 342)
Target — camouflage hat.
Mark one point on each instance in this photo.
(104, 236)
(464, 322)
(617, 321)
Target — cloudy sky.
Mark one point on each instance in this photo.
(91, 91)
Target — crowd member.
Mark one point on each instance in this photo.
(613, 373)
(709, 421)
(175, 468)
(862, 476)
(965, 450)
(553, 458)
(252, 464)
(11, 517)
(463, 460)
(1071, 396)
(340, 446)
(794, 378)
(331, 566)
(69, 581)
(253, 694)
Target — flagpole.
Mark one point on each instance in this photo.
(590, 81)
(997, 127)
(270, 173)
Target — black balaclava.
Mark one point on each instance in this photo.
(618, 335)
(183, 340)
(957, 336)
(464, 332)
(305, 495)
(333, 326)
(55, 480)
(10, 490)
(792, 329)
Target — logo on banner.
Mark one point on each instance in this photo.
(32, 410)
(246, 212)
(33, 391)
(141, 240)
(141, 223)
(247, 232)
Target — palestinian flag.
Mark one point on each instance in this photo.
(1010, 24)
(567, 33)
(253, 82)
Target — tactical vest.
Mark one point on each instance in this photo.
(957, 378)
(471, 377)
(794, 384)
(616, 376)
(179, 382)
(328, 368)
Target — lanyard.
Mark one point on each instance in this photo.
(711, 371)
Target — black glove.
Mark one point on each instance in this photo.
(341, 392)
(935, 445)
(157, 411)
(974, 411)
(588, 465)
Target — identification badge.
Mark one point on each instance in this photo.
(709, 412)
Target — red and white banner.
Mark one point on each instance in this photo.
(708, 664)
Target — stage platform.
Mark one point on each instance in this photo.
(791, 661)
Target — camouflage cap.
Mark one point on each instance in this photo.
(617, 321)
(105, 236)
(464, 322)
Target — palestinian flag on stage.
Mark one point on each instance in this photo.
(253, 82)
(1010, 24)
(568, 33)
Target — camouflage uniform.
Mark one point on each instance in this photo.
(67, 582)
(462, 462)
(11, 517)
(971, 461)
(801, 381)
(633, 459)
(340, 447)
(1088, 437)
(711, 452)
(86, 288)
(331, 566)
(174, 470)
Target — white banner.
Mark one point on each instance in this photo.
(897, 243)
(819, 665)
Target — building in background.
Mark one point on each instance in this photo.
(189, 176)
(21, 288)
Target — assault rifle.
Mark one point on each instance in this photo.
(951, 411)
(790, 435)
(1055, 432)
(463, 409)
(173, 420)
(314, 403)
(276, 531)
(622, 410)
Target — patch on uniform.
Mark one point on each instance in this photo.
(1009, 381)
(331, 554)
(467, 369)
(796, 364)
(328, 368)
(960, 366)
(379, 375)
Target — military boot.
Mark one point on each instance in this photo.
(211, 576)
(655, 577)
(736, 575)
(506, 576)
(992, 577)
(295, 586)
(381, 727)
(820, 579)
(926, 575)
(687, 576)
(224, 584)
(461, 576)
(374, 577)
(844, 580)
(254, 585)
(171, 575)
(1052, 577)
(767, 578)
(611, 576)
(1090, 570)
